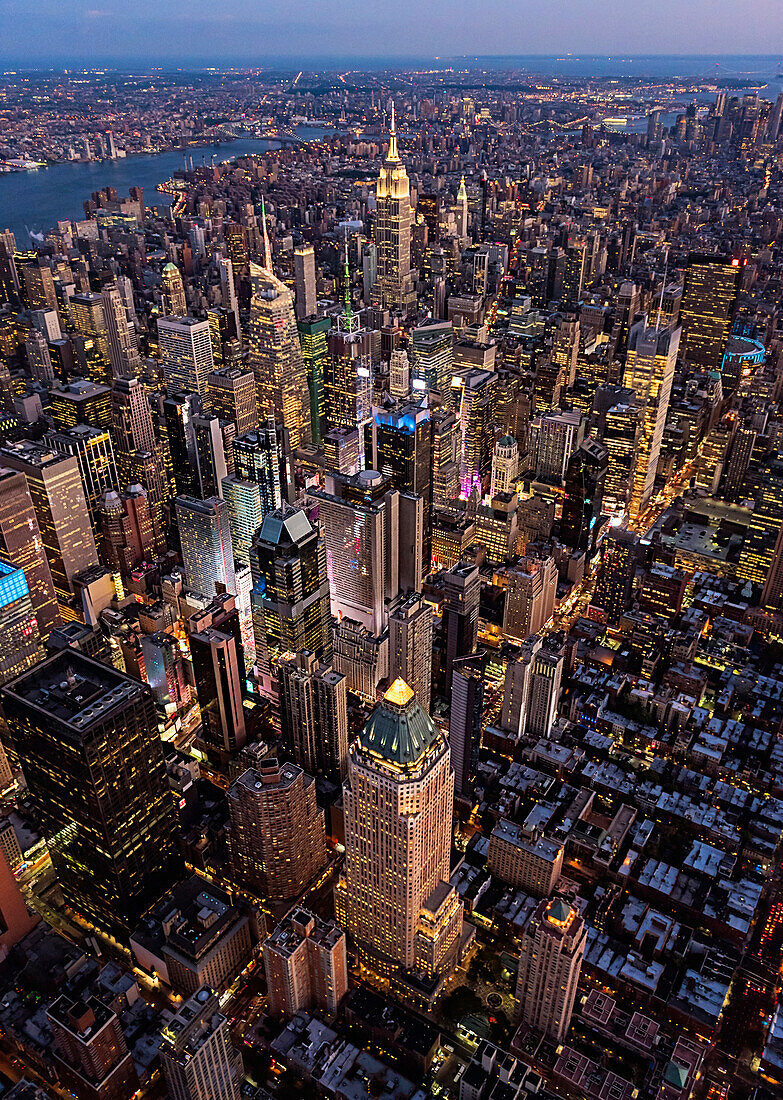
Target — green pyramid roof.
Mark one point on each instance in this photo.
(398, 729)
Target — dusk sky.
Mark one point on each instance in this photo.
(246, 30)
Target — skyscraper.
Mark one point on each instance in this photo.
(174, 301)
(127, 531)
(616, 574)
(123, 352)
(290, 589)
(218, 670)
(258, 457)
(92, 448)
(709, 300)
(314, 714)
(649, 372)
(275, 357)
(394, 898)
(530, 596)
(22, 545)
(505, 466)
(348, 380)
(198, 1058)
(432, 357)
(232, 396)
(306, 964)
(90, 324)
(582, 506)
(87, 739)
(90, 1054)
(61, 510)
(553, 946)
(205, 534)
(185, 354)
(546, 673)
(410, 645)
(359, 517)
(315, 353)
(304, 274)
(461, 596)
(21, 648)
(277, 835)
(394, 288)
(465, 720)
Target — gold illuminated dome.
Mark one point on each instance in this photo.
(399, 693)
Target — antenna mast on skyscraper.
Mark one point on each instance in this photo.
(348, 323)
(267, 250)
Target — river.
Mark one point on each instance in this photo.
(37, 200)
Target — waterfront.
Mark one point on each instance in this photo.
(36, 200)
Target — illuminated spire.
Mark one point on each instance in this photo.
(267, 249)
(462, 194)
(349, 323)
(392, 155)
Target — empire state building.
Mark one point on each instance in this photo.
(394, 287)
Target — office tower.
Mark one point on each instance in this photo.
(176, 416)
(394, 284)
(462, 210)
(38, 358)
(277, 836)
(61, 510)
(553, 946)
(393, 899)
(21, 641)
(348, 381)
(304, 275)
(398, 443)
(505, 466)
(315, 353)
(258, 457)
(546, 673)
(582, 505)
(759, 557)
(228, 290)
(314, 714)
(361, 657)
(629, 300)
(39, 287)
(432, 358)
(89, 323)
(445, 459)
(90, 1055)
(218, 671)
(342, 451)
(743, 442)
(139, 455)
(232, 396)
(709, 301)
(649, 372)
(164, 671)
(360, 520)
(198, 1058)
(410, 645)
(530, 597)
(616, 575)
(210, 455)
(621, 435)
(205, 534)
(465, 721)
(92, 448)
(245, 513)
(524, 859)
(290, 589)
(123, 352)
(552, 439)
(573, 274)
(477, 399)
(87, 739)
(185, 354)
(21, 544)
(224, 335)
(275, 357)
(306, 964)
(173, 292)
(399, 375)
(461, 596)
(565, 348)
(81, 402)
